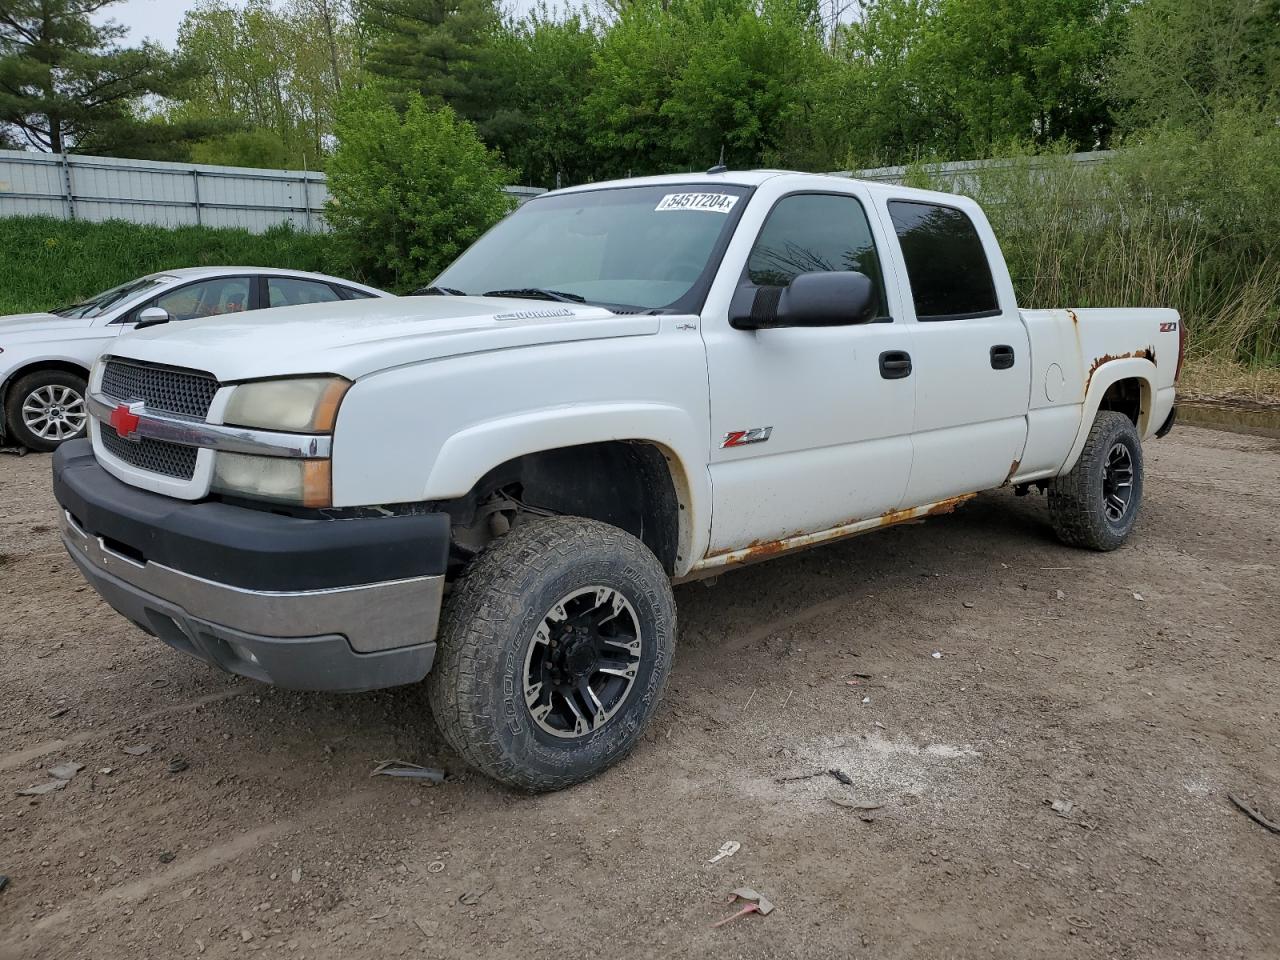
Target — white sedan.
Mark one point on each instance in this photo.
(45, 357)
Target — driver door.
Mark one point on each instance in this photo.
(808, 432)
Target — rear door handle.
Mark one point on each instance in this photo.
(895, 364)
(1002, 356)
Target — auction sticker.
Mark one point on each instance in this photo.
(706, 202)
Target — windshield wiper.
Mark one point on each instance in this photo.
(434, 291)
(537, 293)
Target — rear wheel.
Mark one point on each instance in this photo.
(554, 653)
(1096, 504)
(46, 408)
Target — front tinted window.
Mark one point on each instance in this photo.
(814, 232)
(948, 269)
(210, 298)
(641, 247)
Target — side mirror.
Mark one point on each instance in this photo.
(829, 298)
(152, 316)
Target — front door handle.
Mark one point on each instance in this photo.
(1002, 356)
(895, 364)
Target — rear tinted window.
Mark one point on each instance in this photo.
(948, 269)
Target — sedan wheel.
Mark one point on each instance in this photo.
(46, 408)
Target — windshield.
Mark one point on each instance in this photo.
(97, 306)
(636, 247)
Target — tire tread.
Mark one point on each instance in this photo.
(491, 592)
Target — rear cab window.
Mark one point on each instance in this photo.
(946, 263)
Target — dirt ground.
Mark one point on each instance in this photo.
(1141, 694)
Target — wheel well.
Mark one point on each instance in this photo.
(1125, 396)
(36, 367)
(627, 484)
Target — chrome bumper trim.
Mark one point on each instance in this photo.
(190, 432)
(373, 617)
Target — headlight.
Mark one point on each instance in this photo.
(302, 405)
(307, 483)
(299, 405)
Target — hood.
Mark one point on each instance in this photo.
(358, 337)
(39, 327)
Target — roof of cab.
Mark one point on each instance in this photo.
(753, 178)
(195, 273)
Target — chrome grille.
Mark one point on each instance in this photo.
(157, 456)
(188, 393)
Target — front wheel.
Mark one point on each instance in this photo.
(554, 653)
(1096, 503)
(46, 408)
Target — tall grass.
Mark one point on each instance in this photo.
(1190, 221)
(46, 263)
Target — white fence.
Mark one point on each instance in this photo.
(957, 176)
(75, 187)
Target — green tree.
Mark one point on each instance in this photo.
(878, 103)
(1024, 69)
(544, 65)
(675, 82)
(268, 74)
(244, 148)
(410, 190)
(66, 83)
(1185, 59)
(960, 79)
(439, 49)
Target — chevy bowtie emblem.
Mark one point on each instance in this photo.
(125, 421)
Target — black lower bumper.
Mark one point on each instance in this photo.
(244, 547)
(302, 603)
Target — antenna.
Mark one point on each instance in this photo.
(720, 167)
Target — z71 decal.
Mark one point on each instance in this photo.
(1168, 327)
(740, 438)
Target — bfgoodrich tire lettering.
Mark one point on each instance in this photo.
(1096, 504)
(478, 685)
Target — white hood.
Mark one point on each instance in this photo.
(41, 325)
(359, 337)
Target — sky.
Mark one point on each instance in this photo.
(150, 19)
(159, 19)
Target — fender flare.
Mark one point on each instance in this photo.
(1103, 376)
(471, 453)
(39, 361)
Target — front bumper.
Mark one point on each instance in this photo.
(300, 603)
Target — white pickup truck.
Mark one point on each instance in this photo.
(620, 386)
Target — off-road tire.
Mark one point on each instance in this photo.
(17, 429)
(1077, 506)
(476, 685)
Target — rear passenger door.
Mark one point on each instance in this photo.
(971, 354)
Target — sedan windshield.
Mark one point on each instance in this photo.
(97, 306)
(628, 247)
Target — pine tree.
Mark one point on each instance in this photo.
(66, 83)
(440, 49)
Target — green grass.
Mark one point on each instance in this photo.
(48, 262)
